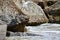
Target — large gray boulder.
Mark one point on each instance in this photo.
(53, 12)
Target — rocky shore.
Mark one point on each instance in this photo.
(21, 17)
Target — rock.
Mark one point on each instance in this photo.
(33, 11)
(53, 12)
(36, 1)
(49, 3)
(12, 16)
(3, 29)
(44, 3)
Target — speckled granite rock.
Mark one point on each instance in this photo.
(33, 11)
(53, 12)
(11, 15)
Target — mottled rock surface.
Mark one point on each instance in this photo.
(11, 15)
(33, 11)
(53, 12)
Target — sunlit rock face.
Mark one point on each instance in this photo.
(11, 15)
(33, 11)
(54, 12)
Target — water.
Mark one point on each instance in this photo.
(46, 27)
(46, 31)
